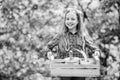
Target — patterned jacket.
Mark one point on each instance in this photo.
(69, 41)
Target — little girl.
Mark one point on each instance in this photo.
(72, 37)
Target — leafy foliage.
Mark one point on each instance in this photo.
(26, 26)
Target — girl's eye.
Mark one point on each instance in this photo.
(67, 18)
(73, 18)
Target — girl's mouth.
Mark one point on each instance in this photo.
(70, 24)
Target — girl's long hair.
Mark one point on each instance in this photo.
(81, 30)
(65, 41)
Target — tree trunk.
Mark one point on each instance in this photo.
(119, 12)
(119, 16)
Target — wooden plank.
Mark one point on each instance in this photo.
(74, 66)
(59, 63)
(58, 60)
(62, 60)
(75, 72)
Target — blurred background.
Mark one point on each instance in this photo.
(26, 26)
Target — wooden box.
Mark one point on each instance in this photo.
(61, 69)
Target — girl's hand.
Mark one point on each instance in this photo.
(84, 54)
(96, 55)
(50, 55)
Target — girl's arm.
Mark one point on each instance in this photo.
(54, 42)
(92, 47)
(87, 40)
(51, 46)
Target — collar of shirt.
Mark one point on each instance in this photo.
(73, 33)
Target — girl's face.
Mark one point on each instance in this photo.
(71, 20)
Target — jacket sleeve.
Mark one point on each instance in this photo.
(90, 47)
(54, 42)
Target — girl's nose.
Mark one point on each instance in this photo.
(70, 21)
